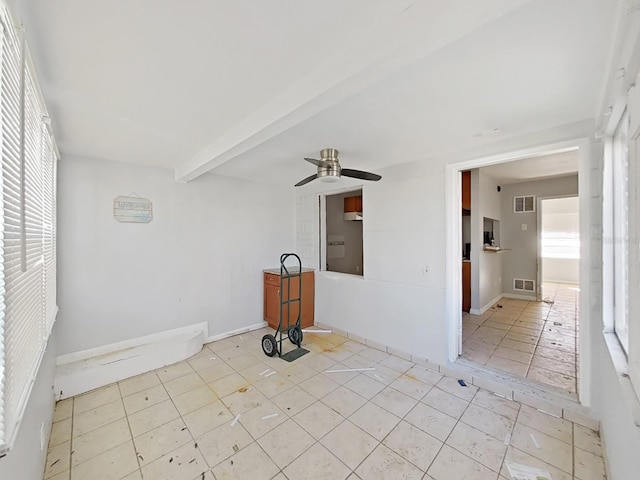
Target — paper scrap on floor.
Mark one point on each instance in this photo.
(524, 472)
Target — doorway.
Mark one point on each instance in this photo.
(559, 244)
(536, 325)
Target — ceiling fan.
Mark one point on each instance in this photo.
(329, 169)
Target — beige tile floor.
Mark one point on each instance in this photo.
(399, 421)
(536, 340)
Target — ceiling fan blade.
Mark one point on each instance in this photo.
(317, 163)
(348, 172)
(307, 180)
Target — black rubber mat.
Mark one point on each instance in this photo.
(294, 354)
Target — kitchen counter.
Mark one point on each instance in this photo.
(276, 271)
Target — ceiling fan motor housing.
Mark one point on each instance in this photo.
(330, 171)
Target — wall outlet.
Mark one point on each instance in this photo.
(524, 227)
(358, 269)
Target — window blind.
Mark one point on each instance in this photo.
(27, 243)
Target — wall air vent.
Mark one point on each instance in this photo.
(524, 204)
(524, 285)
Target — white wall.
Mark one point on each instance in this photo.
(400, 300)
(26, 460)
(486, 267)
(521, 261)
(199, 260)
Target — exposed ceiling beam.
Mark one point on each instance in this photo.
(408, 35)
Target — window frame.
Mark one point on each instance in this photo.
(615, 249)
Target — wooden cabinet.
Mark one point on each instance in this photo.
(273, 296)
(466, 286)
(353, 204)
(466, 192)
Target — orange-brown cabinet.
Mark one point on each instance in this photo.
(353, 204)
(466, 286)
(273, 298)
(466, 192)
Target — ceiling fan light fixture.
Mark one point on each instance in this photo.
(330, 171)
(329, 179)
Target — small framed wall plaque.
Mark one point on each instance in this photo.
(132, 209)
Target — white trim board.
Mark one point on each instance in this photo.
(475, 311)
(127, 344)
(87, 370)
(250, 328)
(515, 296)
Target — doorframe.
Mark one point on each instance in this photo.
(453, 208)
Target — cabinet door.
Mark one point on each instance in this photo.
(291, 310)
(308, 299)
(466, 190)
(466, 286)
(273, 294)
(272, 304)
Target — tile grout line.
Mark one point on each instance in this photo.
(135, 448)
(73, 407)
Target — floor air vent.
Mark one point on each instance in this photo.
(524, 285)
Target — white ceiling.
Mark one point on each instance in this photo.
(534, 168)
(247, 88)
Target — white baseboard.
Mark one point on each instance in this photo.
(516, 296)
(127, 344)
(475, 311)
(563, 282)
(87, 370)
(250, 328)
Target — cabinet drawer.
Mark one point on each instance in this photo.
(271, 279)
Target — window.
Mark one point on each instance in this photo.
(28, 241)
(560, 228)
(616, 232)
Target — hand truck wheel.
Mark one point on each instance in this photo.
(269, 345)
(295, 335)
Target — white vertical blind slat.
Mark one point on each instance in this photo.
(28, 230)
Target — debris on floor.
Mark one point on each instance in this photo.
(235, 420)
(346, 370)
(535, 442)
(525, 472)
(462, 383)
(272, 415)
